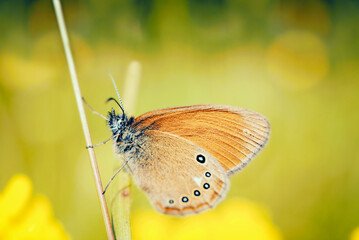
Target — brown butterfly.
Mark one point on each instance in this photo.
(182, 157)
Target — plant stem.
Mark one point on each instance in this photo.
(120, 202)
(76, 87)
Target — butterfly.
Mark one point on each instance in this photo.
(182, 157)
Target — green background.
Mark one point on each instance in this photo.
(296, 62)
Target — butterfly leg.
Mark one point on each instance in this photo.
(92, 110)
(108, 184)
(98, 144)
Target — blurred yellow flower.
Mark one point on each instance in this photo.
(23, 216)
(234, 219)
(355, 234)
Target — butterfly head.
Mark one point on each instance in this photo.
(117, 122)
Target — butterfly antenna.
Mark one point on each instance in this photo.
(118, 94)
(116, 102)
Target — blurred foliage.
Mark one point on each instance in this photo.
(296, 62)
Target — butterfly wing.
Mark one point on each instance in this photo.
(231, 135)
(179, 177)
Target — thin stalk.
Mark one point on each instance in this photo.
(76, 87)
(120, 201)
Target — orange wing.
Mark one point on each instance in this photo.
(232, 135)
(174, 179)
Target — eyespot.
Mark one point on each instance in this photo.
(171, 201)
(208, 174)
(197, 193)
(185, 199)
(200, 158)
(206, 186)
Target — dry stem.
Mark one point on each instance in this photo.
(76, 87)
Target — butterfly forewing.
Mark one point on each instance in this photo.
(179, 177)
(233, 136)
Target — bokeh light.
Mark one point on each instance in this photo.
(297, 60)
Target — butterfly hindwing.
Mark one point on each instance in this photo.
(179, 177)
(233, 136)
